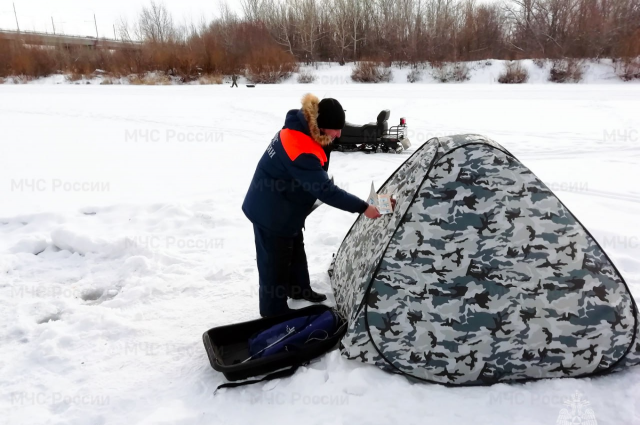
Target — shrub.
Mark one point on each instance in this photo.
(450, 72)
(371, 72)
(566, 71)
(306, 77)
(33, 61)
(74, 77)
(135, 80)
(269, 73)
(514, 73)
(210, 79)
(270, 65)
(5, 58)
(628, 69)
(540, 63)
(21, 79)
(150, 79)
(414, 75)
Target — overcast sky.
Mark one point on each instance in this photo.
(75, 17)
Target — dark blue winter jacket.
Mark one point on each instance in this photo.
(290, 177)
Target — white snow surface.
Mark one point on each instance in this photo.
(602, 71)
(122, 240)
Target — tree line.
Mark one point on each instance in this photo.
(417, 30)
(272, 36)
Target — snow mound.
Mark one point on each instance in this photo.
(68, 239)
(30, 245)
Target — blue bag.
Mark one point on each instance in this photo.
(292, 334)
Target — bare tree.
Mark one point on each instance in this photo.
(155, 24)
(357, 24)
(340, 20)
(253, 10)
(226, 23)
(122, 27)
(309, 27)
(280, 21)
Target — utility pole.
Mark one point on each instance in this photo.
(16, 15)
(114, 32)
(54, 26)
(96, 23)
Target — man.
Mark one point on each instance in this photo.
(234, 80)
(290, 177)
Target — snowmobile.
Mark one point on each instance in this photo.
(375, 137)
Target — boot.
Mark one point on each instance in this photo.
(308, 295)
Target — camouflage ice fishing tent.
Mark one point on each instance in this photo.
(480, 276)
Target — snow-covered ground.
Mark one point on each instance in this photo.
(122, 241)
(602, 71)
(480, 72)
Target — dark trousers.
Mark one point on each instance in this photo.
(234, 84)
(283, 271)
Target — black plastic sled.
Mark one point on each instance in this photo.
(228, 348)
